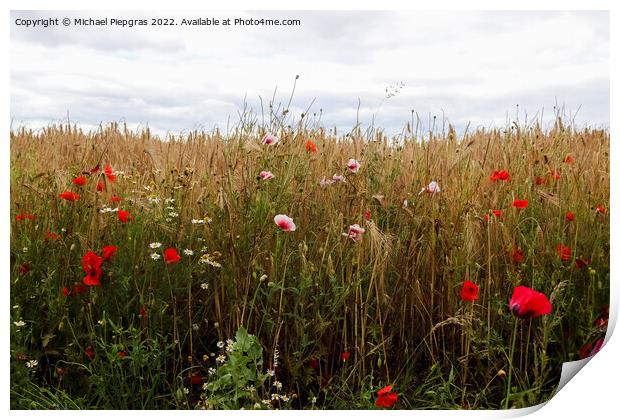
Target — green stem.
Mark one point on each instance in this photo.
(510, 361)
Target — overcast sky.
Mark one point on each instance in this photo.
(469, 66)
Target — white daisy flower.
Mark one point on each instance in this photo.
(155, 256)
(155, 245)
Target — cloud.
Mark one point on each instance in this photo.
(469, 66)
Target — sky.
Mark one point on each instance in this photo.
(464, 67)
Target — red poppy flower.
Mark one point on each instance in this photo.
(602, 321)
(80, 181)
(570, 216)
(585, 350)
(469, 291)
(122, 354)
(69, 196)
(143, 312)
(540, 180)
(196, 379)
(527, 303)
(502, 175)
(108, 252)
(171, 256)
(24, 269)
(564, 252)
(345, 356)
(386, 398)
(517, 255)
(51, 235)
(95, 169)
(314, 363)
(581, 263)
(367, 215)
(66, 291)
(590, 349)
(124, 216)
(79, 289)
(90, 352)
(25, 216)
(100, 186)
(569, 159)
(600, 209)
(92, 266)
(555, 175)
(109, 173)
(310, 146)
(115, 199)
(496, 213)
(520, 204)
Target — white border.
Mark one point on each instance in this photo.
(592, 393)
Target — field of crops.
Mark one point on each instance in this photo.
(284, 266)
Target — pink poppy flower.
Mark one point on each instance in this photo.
(353, 165)
(338, 178)
(269, 140)
(285, 222)
(431, 188)
(325, 182)
(355, 232)
(265, 175)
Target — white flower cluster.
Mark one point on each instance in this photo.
(206, 259)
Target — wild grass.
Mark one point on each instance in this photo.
(305, 297)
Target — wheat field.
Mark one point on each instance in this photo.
(150, 274)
